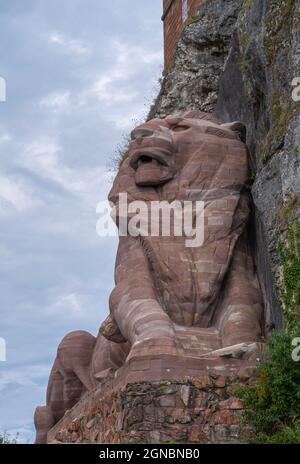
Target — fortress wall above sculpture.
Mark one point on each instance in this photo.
(175, 15)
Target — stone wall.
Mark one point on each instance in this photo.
(197, 410)
(164, 399)
(238, 58)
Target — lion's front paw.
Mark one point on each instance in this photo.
(154, 347)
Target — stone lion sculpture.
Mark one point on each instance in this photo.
(162, 285)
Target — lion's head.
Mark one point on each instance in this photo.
(179, 154)
(161, 148)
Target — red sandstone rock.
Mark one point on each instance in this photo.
(181, 424)
(220, 382)
(74, 437)
(227, 417)
(246, 373)
(43, 421)
(90, 424)
(202, 382)
(170, 300)
(231, 403)
(196, 435)
(167, 401)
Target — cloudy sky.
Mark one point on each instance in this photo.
(78, 74)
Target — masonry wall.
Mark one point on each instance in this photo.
(182, 399)
(200, 410)
(173, 24)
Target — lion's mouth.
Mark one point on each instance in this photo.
(151, 167)
(155, 158)
(144, 159)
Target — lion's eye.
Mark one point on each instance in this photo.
(138, 133)
(180, 128)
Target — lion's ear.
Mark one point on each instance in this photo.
(238, 127)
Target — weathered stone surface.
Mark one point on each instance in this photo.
(193, 79)
(185, 394)
(241, 350)
(256, 88)
(247, 373)
(157, 420)
(248, 78)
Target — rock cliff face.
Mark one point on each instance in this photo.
(238, 59)
(193, 80)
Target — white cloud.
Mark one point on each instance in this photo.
(72, 46)
(43, 156)
(16, 195)
(131, 55)
(115, 87)
(55, 101)
(115, 84)
(22, 388)
(5, 138)
(102, 91)
(68, 305)
(23, 376)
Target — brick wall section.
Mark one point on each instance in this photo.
(173, 24)
(172, 29)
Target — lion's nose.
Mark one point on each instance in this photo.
(173, 120)
(141, 133)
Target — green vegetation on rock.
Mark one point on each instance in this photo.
(277, 30)
(272, 401)
(247, 4)
(289, 288)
